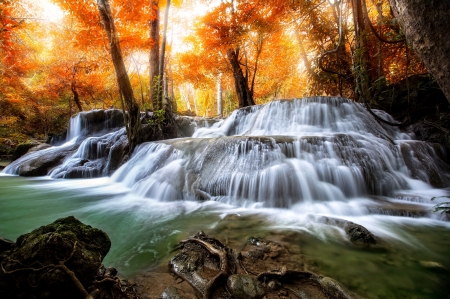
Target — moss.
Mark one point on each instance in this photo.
(78, 246)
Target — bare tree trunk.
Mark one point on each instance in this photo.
(219, 95)
(245, 98)
(73, 88)
(426, 25)
(76, 97)
(132, 120)
(162, 103)
(154, 56)
(363, 80)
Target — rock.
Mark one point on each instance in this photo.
(244, 286)
(5, 244)
(35, 260)
(356, 233)
(22, 149)
(359, 233)
(42, 164)
(334, 290)
(172, 293)
(432, 265)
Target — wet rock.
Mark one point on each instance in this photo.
(41, 165)
(196, 264)
(172, 293)
(215, 271)
(359, 233)
(432, 265)
(262, 249)
(244, 286)
(426, 162)
(5, 244)
(334, 289)
(37, 261)
(98, 122)
(22, 149)
(356, 233)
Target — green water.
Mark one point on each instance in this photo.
(144, 231)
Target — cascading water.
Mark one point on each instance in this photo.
(269, 171)
(286, 153)
(92, 139)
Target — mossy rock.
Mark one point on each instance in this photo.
(33, 259)
(22, 149)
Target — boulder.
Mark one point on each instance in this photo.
(41, 263)
(22, 149)
(244, 286)
(357, 233)
(5, 244)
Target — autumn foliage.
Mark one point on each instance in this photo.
(271, 49)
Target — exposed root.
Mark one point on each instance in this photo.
(233, 280)
(50, 268)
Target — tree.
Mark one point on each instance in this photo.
(427, 25)
(132, 118)
(154, 55)
(239, 31)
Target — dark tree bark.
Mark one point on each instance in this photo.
(73, 88)
(426, 24)
(362, 65)
(76, 96)
(154, 56)
(161, 99)
(132, 118)
(245, 96)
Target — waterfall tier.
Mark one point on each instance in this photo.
(276, 155)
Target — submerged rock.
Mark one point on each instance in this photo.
(432, 265)
(357, 233)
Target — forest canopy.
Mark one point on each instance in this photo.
(220, 55)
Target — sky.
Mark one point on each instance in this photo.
(46, 10)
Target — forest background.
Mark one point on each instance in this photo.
(220, 55)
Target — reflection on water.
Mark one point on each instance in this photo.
(413, 262)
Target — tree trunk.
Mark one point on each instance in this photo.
(132, 120)
(161, 99)
(219, 95)
(245, 98)
(362, 66)
(154, 56)
(76, 97)
(426, 24)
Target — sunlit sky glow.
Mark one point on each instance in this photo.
(50, 12)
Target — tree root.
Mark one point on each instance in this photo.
(52, 267)
(186, 266)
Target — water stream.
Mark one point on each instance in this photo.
(262, 172)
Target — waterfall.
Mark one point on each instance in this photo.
(95, 122)
(282, 154)
(291, 171)
(75, 127)
(319, 149)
